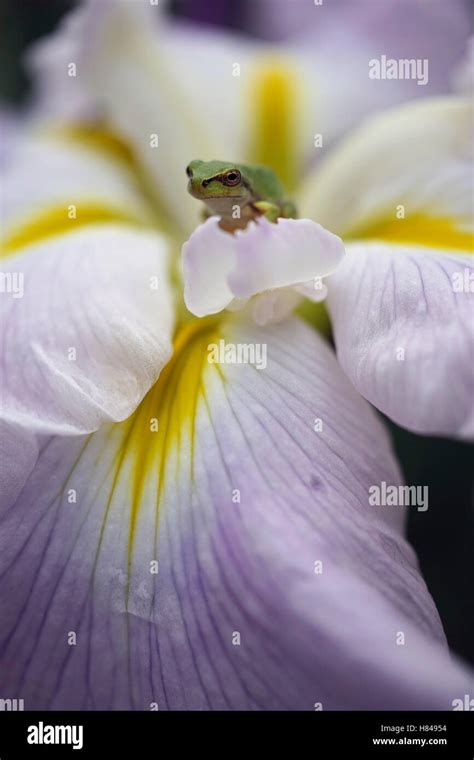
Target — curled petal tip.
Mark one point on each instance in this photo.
(266, 256)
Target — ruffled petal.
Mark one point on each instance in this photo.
(194, 94)
(208, 259)
(123, 50)
(226, 557)
(408, 168)
(219, 267)
(402, 302)
(403, 321)
(86, 325)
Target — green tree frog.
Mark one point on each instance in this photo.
(238, 193)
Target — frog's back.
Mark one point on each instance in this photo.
(265, 183)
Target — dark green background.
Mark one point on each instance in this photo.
(444, 535)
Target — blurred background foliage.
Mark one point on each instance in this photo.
(443, 536)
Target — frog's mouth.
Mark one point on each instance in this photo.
(224, 206)
(201, 196)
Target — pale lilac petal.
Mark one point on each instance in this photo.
(10, 127)
(107, 507)
(208, 259)
(18, 456)
(218, 266)
(279, 255)
(273, 305)
(403, 319)
(315, 290)
(86, 326)
(463, 75)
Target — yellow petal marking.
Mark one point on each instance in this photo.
(173, 401)
(98, 138)
(112, 145)
(419, 229)
(275, 100)
(57, 221)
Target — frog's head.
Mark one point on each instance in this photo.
(217, 179)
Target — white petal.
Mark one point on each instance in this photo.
(208, 259)
(274, 305)
(194, 91)
(403, 321)
(50, 174)
(218, 266)
(130, 68)
(84, 331)
(315, 290)
(60, 92)
(418, 156)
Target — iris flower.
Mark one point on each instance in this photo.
(178, 534)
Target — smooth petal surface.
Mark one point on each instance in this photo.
(218, 267)
(52, 183)
(184, 557)
(208, 258)
(86, 324)
(418, 156)
(403, 322)
(10, 127)
(463, 76)
(60, 92)
(123, 50)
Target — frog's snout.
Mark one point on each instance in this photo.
(196, 186)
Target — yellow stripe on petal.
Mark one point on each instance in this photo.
(165, 420)
(275, 101)
(61, 220)
(112, 146)
(433, 232)
(101, 139)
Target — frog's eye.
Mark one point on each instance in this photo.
(189, 171)
(232, 178)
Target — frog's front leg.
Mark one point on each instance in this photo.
(269, 210)
(272, 212)
(288, 210)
